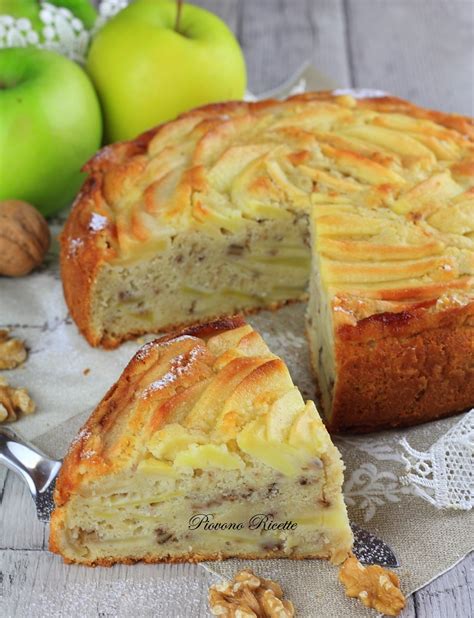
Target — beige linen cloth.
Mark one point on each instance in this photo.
(67, 378)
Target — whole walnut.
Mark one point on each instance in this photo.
(24, 238)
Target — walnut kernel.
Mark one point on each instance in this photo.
(14, 401)
(249, 596)
(12, 351)
(375, 586)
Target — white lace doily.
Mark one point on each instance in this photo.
(61, 31)
(444, 475)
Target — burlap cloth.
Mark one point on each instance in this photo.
(67, 378)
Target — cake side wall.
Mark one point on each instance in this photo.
(84, 247)
(89, 235)
(405, 370)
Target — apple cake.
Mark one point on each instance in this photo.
(228, 208)
(204, 449)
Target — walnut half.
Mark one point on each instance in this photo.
(249, 596)
(14, 401)
(375, 586)
(12, 351)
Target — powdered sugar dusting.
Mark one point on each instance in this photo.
(83, 435)
(74, 245)
(179, 366)
(88, 454)
(104, 154)
(97, 222)
(180, 338)
(144, 351)
(160, 384)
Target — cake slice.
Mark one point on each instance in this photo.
(204, 449)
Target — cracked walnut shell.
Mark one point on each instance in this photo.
(249, 596)
(375, 586)
(12, 351)
(14, 401)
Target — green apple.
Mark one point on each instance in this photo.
(50, 125)
(147, 71)
(30, 9)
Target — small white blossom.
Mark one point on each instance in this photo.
(49, 33)
(23, 24)
(62, 31)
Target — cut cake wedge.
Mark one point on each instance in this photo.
(204, 449)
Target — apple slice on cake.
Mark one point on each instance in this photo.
(203, 449)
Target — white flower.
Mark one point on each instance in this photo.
(32, 37)
(46, 16)
(62, 31)
(15, 39)
(48, 33)
(77, 25)
(23, 24)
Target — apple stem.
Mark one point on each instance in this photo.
(178, 14)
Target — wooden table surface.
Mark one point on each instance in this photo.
(419, 49)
